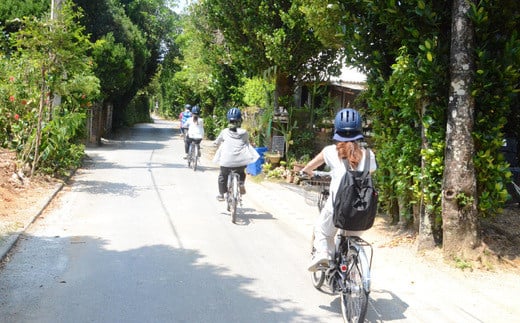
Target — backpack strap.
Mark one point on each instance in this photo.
(366, 168)
(347, 164)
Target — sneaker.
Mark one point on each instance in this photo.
(318, 260)
(242, 189)
(220, 197)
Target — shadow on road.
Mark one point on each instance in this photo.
(247, 215)
(148, 284)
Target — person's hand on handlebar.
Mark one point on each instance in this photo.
(303, 174)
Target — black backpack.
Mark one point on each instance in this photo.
(355, 203)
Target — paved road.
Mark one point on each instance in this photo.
(139, 237)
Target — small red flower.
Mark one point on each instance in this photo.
(11, 78)
(24, 102)
(16, 117)
(11, 98)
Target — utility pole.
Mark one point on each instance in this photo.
(55, 7)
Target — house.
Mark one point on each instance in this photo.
(347, 86)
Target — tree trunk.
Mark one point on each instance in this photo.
(425, 239)
(459, 192)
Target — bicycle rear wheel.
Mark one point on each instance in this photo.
(233, 193)
(195, 156)
(354, 299)
(189, 157)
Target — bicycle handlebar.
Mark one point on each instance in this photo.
(319, 173)
(315, 174)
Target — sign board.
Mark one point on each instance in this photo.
(278, 144)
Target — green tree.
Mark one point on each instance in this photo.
(133, 33)
(262, 35)
(49, 61)
(11, 13)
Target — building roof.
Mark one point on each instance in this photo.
(350, 77)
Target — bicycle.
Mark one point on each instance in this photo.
(233, 195)
(348, 273)
(193, 155)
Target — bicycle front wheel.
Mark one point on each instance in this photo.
(318, 278)
(354, 299)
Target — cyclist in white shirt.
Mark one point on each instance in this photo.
(195, 129)
(347, 133)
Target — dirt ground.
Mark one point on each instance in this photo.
(21, 198)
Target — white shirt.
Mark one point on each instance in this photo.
(195, 129)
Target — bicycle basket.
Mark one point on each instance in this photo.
(313, 190)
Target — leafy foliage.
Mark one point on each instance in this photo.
(48, 83)
(496, 94)
(264, 34)
(404, 48)
(131, 37)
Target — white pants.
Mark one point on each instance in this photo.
(324, 231)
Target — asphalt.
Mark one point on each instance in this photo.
(286, 202)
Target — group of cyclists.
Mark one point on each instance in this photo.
(235, 153)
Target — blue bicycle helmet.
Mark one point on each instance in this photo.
(195, 110)
(347, 125)
(234, 114)
(187, 106)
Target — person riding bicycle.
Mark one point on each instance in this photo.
(347, 136)
(234, 153)
(183, 117)
(195, 129)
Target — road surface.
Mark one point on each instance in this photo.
(138, 237)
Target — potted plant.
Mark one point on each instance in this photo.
(273, 157)
(300, 163)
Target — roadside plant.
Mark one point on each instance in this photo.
(48, 83)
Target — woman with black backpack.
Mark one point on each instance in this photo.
(347, 136)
